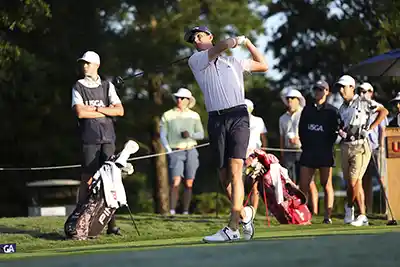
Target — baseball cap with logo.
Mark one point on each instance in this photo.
(346, 80)
(91, 57)
(189, 35)
(321, 85)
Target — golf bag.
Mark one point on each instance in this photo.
(106, 195)
(280, 194)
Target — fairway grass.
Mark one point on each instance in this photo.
(43, 236)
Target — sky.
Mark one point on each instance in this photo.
(271, 25)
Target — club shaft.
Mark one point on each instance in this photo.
(382, 186)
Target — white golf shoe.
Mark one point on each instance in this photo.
(349, 214)
(226, 234)
(248, 223)
(361, 220)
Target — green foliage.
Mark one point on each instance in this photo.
(207, 203)
(137, 192)
(39, 45)
(322, 39)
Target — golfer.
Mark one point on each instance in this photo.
(220, 78)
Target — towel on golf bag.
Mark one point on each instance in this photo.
(114, 191)
(281, 196)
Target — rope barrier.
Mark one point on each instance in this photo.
(131, 159)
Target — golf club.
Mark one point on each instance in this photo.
(120, 81)
(393, 220)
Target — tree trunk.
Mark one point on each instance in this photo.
(160, 162)
(161, 169)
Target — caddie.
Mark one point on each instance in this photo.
(355, 113)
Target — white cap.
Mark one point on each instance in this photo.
(91, 57)
(249, 104)
(367, 87)
(347, 80)
(294, 93)
(183, 92)
(397, 98)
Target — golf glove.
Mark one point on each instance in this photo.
(241, 40)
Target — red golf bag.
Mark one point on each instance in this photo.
(281, 196)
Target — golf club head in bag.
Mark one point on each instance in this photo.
(130, 147)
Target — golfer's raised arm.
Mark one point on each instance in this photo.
(258, 63)
(220, 47)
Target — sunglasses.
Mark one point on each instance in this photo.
(319, 89)
(364, 92)
(291, 97)
(182, 98)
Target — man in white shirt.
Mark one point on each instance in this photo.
(377, 144)
(289, 131)
(220, 78)
(258, 140)
(95, 103)
(180, 128)
(355, 149)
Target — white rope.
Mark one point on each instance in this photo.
(79, 165)
(132, 159)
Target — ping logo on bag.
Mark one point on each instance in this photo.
(8, 248)
(104, 215)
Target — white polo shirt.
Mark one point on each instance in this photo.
(257, 127)
(220, 80)
(289, 123)
(355, 112)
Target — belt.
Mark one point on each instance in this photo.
(227, 110)
(355, 142)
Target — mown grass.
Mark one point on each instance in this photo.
(43, 233)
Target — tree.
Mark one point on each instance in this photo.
(324, 38)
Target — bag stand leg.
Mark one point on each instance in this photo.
(133, 221)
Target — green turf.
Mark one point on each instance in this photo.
(42, 236)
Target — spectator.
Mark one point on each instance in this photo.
(395, 122)
(289, 132)
(318, 126)
(377, 144)
(180, 128)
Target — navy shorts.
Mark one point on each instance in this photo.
(94, 156)
(229, 133)
(183, 163)
(317, 158)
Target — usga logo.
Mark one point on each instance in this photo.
(8, 248)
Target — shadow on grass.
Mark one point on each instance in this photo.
(200, 242)
(33, 233)
(179, 218)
